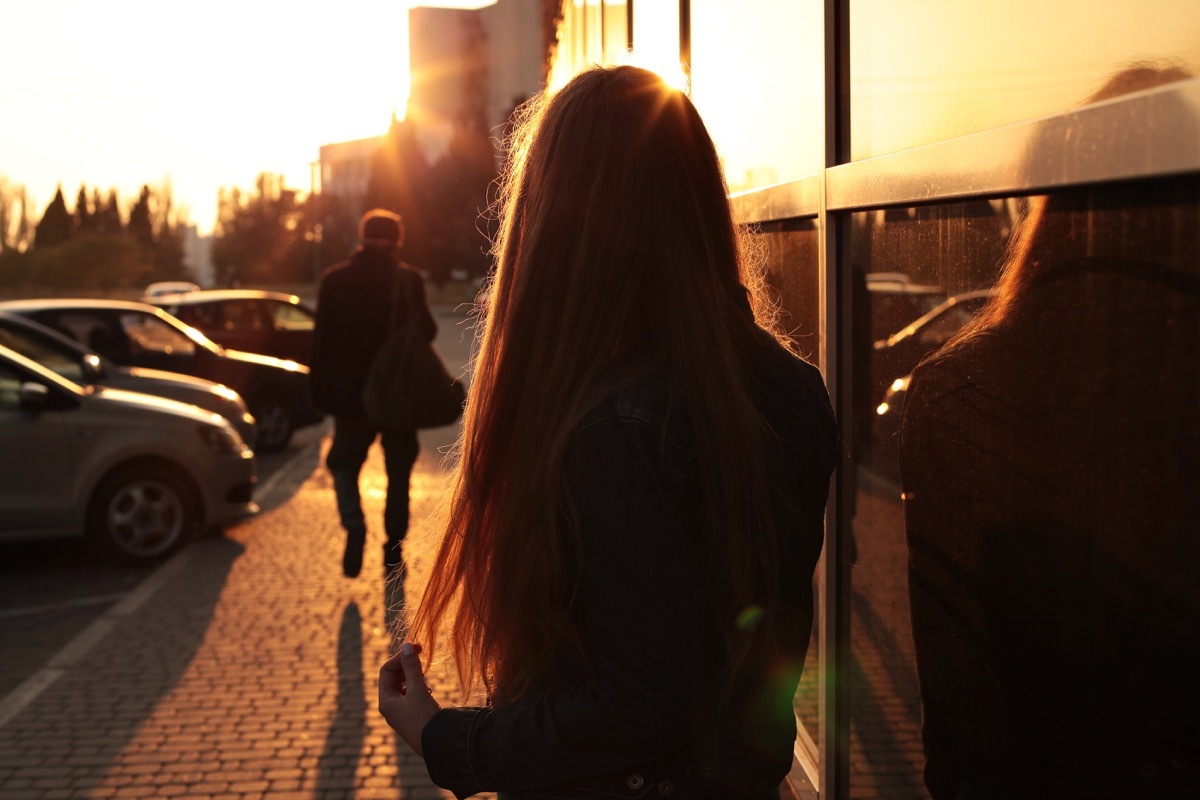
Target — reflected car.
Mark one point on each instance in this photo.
(911, 344)
(251, 320)
(137, 475)
(893, 357)
(140, 335)
(895, 301)
(76, 363)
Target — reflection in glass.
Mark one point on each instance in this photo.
(656, 39)
(1049, 463)
(790, 260)
(757, 80)
(919, 274)
(616, 31)
(927, 70)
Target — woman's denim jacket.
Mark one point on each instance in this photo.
(647, 713)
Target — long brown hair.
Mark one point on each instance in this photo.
(616, 239)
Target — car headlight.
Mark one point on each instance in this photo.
(221, 440)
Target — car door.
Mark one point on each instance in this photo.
(36, 474)
(293, 326)
(241, 324)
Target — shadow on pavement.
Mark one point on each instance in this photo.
(338, 763)
(92, 712)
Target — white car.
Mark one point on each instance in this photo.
(163, 288)
(139, 475)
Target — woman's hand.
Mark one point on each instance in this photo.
(405, 700)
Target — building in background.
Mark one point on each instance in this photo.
(471, 67)
(345, 171)
(197, 256)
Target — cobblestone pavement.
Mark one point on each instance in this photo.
(249, 671)
(245, 667)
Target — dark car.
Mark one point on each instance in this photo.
(251, 320)
(894, 356)
(70, 359)
(140, 335)
(898, 355)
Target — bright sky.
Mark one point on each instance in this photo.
(120, 93)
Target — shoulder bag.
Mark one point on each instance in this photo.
(407, 384)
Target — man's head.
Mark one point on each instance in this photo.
(380, 229)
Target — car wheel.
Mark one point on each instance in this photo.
(142, 512)
(275, 425)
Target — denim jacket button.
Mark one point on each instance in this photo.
(666, 788)
(635, 781)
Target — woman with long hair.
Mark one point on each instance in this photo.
(638, 505)
(1049, 456)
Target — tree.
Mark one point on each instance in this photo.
(85, 217)
(260, 235)
(7, 213)
(23, 239)
(107, 214)
(141, 226)
(57, 223)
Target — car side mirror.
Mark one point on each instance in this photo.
(34, 396)
(37, 397)
(93, 369)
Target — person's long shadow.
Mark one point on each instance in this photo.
(338, 762)
(121, 670)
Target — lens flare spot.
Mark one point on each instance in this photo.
(749, 618)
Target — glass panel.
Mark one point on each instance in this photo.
(150, 334)
(1049, 495)
(791, 259)
(928, 70)
(616, 31)
(656, 37)
(593, 30)
(757, 80)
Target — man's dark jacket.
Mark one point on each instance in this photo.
(354, 308)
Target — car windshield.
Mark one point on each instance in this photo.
(58, 360)
(165, 334)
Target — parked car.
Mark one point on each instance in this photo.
(169, 287)
(140, 335)
(896, 301)
(76, 363)
(899, 355)
(895, 355)
(255, 321)
(136, 474)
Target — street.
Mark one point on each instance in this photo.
(52, 591)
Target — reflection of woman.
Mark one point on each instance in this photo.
(638, 509)
(1049, 459)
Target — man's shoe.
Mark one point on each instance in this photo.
(353, 556)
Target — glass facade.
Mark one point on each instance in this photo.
(759, 59)
(1009, 197)
(927, 71)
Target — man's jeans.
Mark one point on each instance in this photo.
(352, 438)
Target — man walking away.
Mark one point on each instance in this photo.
(354, 315)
